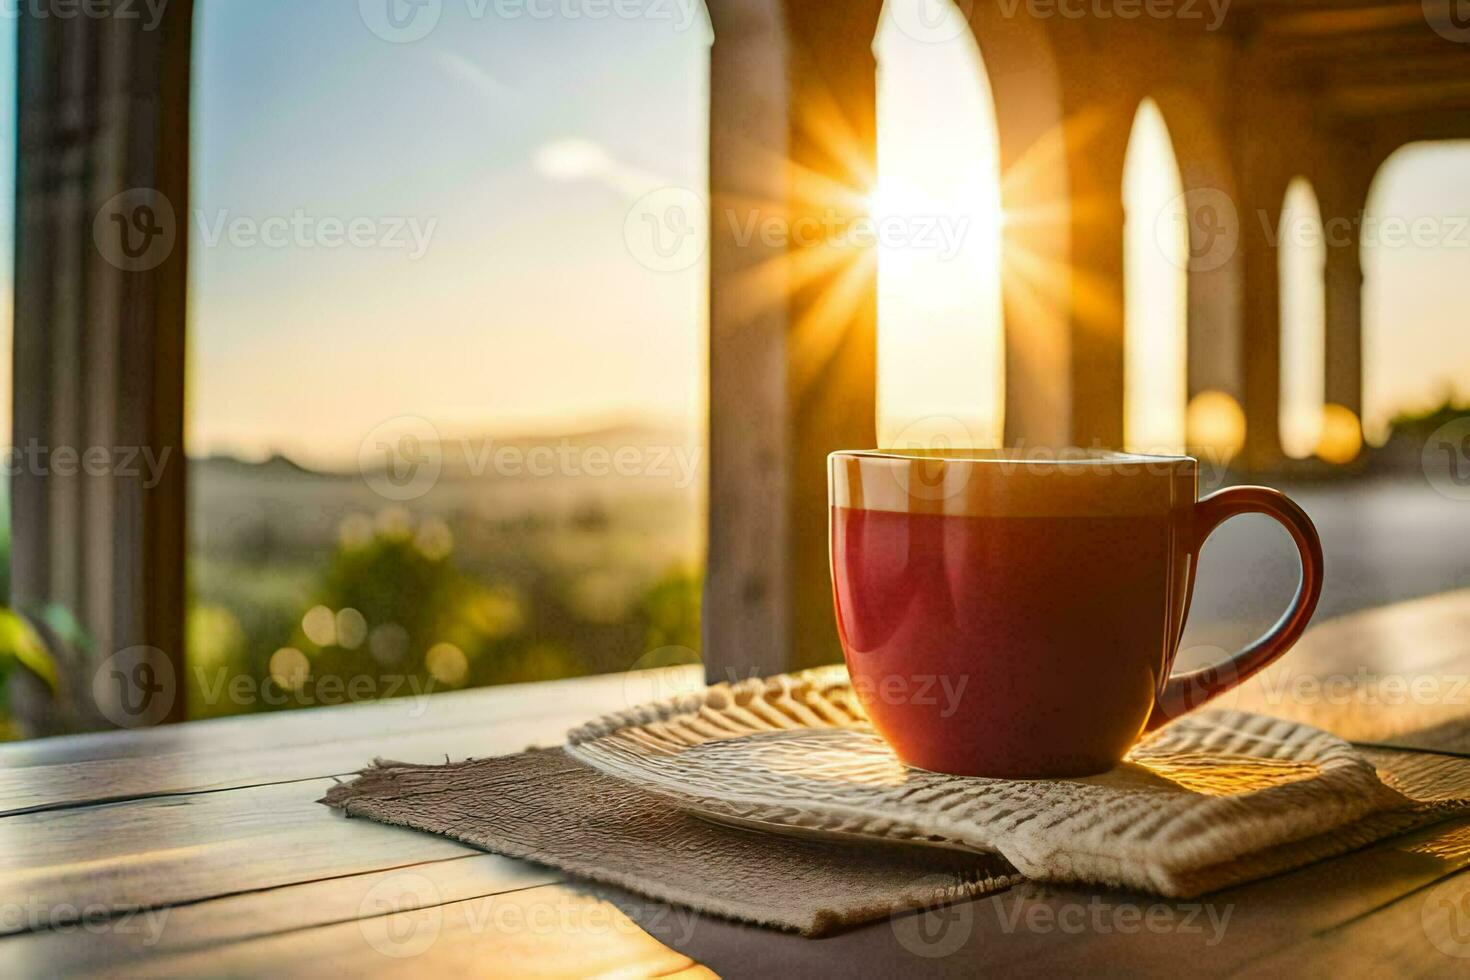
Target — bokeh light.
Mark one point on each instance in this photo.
(290, 668)
(1342, 435)
(434, 539)
(447, 664)
(320, 626)
(352, 628)
(1215, 424)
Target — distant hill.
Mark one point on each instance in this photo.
(276, 467)
(462, 457)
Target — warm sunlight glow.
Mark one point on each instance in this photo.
(941, 356)
(1156, 307)
(1415, 251)
(1342, 436)
(1215, 424)
(1302, 258)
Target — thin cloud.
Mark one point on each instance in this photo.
(582, 159)
(462, 68)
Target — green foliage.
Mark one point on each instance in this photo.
(4, 540)
(20, 646)
(1420, 425)
(392, 613)
(670, 608)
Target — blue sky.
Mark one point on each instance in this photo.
(526, 311)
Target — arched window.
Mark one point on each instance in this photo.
(1415, 249)
(1301, 263)
(1156, 289)
(941, 356)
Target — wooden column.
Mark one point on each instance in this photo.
(1097, 140)
(1344, 282)
(1021, 66)
(101, 244)
(1201, 147)
(792, 317)
(1261, 279)
(1343, 196)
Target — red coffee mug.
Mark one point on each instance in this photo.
(1019, 618)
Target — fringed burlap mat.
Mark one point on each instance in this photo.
(549, 808)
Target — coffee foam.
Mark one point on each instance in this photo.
(1068, 483)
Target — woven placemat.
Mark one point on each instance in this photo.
(1215, 799)
(546, 807)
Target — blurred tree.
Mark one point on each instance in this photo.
(393, 614)
(670, 610)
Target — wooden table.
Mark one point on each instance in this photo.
(200, 849)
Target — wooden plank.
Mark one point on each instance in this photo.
(589, 695)
(550, 931)
(163, 850)
(1397, 675)
(1424, 933)
(112, 945)
(154, 853)
(110, 780)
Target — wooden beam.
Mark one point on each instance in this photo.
(1337, 21)
(1385, 68)
(793, 318)
(1386, 100)
(1401, 44)
(101, 249)
(1270, 8)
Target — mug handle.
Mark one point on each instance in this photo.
(1184, 692)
